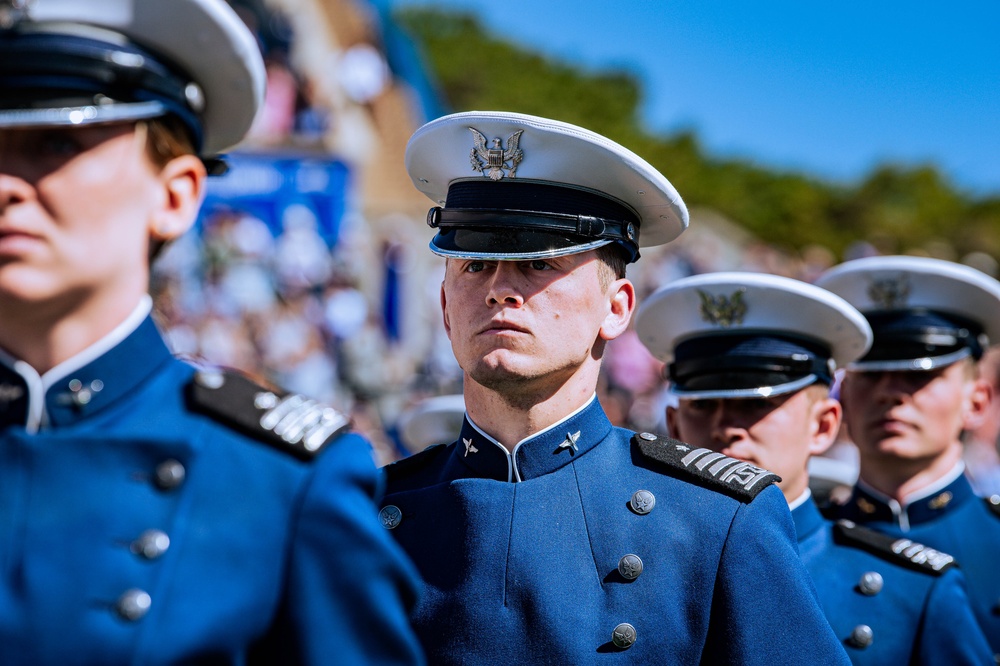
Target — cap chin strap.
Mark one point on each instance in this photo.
(82, 115)
(624, 232)
(911, 364)
(760, 392)
(517, 256)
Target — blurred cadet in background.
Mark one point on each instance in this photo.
(981, 455)
(751, 360)
(908, 402)
(151, 512)
(436, 420)
(544, 534)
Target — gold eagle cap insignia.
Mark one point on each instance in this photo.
(889, 293)
(722, 310)
(493, 160)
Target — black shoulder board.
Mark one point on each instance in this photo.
(898, 550)
(288, 421)
(735, 478)
(993, 502)
(405, 467)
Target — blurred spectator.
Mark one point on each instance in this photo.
(362, 72)
(301, 258)
(276, 120)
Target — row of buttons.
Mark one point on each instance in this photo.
(134, 603)
(642, 503)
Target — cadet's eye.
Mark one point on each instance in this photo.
(702, 405)
(540, 265)
(756, 404)
(475, 266)
(61, 144)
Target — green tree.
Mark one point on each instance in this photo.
(899, 209)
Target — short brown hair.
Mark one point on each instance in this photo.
(614, 263)
(166, 138)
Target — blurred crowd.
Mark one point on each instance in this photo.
(288, 303)
(291, 309)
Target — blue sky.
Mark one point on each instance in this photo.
(830, 88)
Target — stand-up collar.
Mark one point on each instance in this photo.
(540, 454)
(807, 519)
(869, 505)
(83, 385)
(14, 392)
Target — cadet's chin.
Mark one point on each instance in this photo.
(895, 446)
(496, 375)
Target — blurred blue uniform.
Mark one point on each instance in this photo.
(585, 547)
(952, 518)
(888, 608)
(137, 528)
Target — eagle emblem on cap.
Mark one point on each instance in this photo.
(889, 293)
(722, 310)
(492, 161)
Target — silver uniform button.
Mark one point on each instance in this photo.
(642, 502)
(862, 636)
(133, 604)
(151, 544)
(390, 516)
(870, 584)
(623, 636)
(648, 436)
(169, 474)
(630, 566)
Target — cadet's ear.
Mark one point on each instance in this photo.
(672, 428)
(622, 294)
(444, 312)
(977, 402)
(825, 415)
(183, 183)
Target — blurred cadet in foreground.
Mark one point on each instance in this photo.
(151, 512)
(751, 360)
(908, 402)
(544, 534)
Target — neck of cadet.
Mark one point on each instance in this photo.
(511, 415)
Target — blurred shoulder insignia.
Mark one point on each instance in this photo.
(899, 550)
(993, 502)
(288, 421)
(736, 478)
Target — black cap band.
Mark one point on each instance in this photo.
(736, 362)
(41, 70)
(529, 218)
(918, 333)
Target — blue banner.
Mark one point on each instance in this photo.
(265, 186)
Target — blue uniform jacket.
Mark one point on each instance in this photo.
(953, 519)
(134, 530)
(550, 555)
(887, 608)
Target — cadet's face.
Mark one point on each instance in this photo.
(910, 415)
(74, 211)
(515, 323)
(778, 433)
